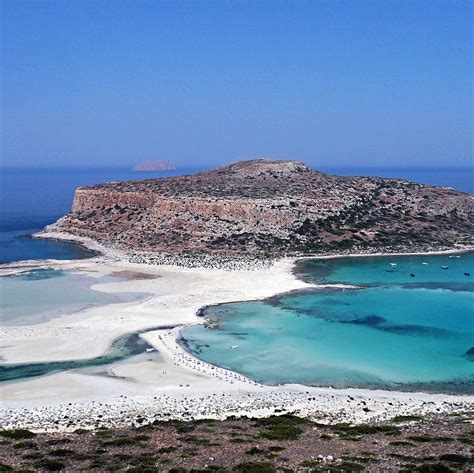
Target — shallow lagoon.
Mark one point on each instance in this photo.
(396, 331)
(38, 296)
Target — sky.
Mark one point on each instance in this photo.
(361, 83)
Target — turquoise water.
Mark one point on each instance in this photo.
(396, 331)
(41, 295)
(123, 348)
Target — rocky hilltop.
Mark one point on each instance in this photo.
(270, 208)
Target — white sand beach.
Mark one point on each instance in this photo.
(168, 383)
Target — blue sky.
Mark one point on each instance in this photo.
(328, 82)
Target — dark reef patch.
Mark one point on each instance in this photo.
(370, 320)
(451, 286)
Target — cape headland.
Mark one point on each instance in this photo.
(270, 208)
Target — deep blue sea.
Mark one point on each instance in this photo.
(30, 199)
(33, 198)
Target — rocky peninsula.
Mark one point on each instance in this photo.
(267, 208)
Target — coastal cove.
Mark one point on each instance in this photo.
(386, 322)
(154, 386)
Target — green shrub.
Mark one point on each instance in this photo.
(430, 468)
(25, 444)
(454, 458)
(428, 438)
(254, 451)
(50, 465)
(285, 427)
(81, 431)
(62, 452)
(166, 449)
(407, 418)
(17, 434)
(364, 429)
(275, 448)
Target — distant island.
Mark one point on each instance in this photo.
(161, 165)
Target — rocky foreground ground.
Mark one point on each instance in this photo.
(286, 443)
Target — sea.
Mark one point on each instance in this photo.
(409, 325)
(31, 198)
(395, 331)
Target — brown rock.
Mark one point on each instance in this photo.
(266, 207)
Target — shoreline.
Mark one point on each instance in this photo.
(115, 253)
(165, 387)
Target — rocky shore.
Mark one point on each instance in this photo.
(437, 443)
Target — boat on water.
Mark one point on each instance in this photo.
(393, 264)
(444, 267)
(233, 347)
(424, 263)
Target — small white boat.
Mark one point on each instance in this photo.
(233, 347)
(150, 349)
(393, 264)
(444, 267)
(424, 263)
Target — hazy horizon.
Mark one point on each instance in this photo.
(361, 84)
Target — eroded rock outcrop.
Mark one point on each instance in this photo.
(266, 207)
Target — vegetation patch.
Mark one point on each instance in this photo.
(26, 444)
(62, 452)
(428, 438)
(401, 443)
(346, 466)
(58, 441)
(147, 450)
(50, 465)
(406, 418)
(347, 430)
(428, 468)
(254, 451)
(285, 427)
(275, 448)
(17, 434)
(454, 458)
(166, 449)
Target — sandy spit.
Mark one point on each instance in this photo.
(168, 383)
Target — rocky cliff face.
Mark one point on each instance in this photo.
(264, 207)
